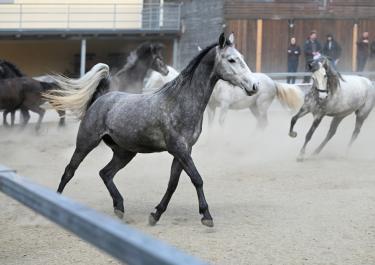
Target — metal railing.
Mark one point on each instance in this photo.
(283, 75)
(115, 238)
(67, 17)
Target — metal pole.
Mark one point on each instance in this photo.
(175, 53)
(83, 57)
(258, 61)
(119, 240)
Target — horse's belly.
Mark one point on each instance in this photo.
(243, 103)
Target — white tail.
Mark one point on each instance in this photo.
(75, 94)
(289, 95)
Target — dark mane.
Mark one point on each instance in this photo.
(12, 68)
(186, 75)
(333, 76)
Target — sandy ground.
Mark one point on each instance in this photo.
(267, 208)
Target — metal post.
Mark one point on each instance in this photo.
(354, 47)
(258, 62)
(175, 52)
(83, 57)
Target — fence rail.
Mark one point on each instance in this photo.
(117, 239)
(67, 17)
(283, 75)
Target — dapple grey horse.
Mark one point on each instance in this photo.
(170, 119)
(336, 96)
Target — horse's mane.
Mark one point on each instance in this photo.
(14, 69)
(333, 77)
(187, 74)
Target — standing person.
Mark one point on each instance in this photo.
(332, 49)
(362, 51)
(294, 51)
(311, 49)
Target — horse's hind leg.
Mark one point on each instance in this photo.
(261, 117)
(360, 118)
(302, 112)
(119, 160)
(25, 116)
(84, 146)
(176, 170)
(309, 134)
(332, 130)
(62, 117)
(5, 123)
(12, 118)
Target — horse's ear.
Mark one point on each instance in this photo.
(222, 41)
(231, 38)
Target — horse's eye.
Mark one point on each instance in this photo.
(325, 76)
(231, 60)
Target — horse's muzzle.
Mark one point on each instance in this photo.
(254, 89)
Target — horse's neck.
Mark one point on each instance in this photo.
(132, 77)
(193, 97)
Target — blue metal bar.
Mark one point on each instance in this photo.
(117, 239)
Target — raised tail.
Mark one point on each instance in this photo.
(290, 95)
(77, 95)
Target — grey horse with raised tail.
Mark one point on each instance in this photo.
(170, 119)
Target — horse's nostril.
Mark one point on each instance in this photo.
(255, 87)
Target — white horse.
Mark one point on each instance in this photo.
(226, 96)
(157, 80)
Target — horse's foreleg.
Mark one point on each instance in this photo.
(223, 114)
(176, 170)
(211, 113)
(332, 130)
(119, 160)
(309, 134)
(187, 163)
(302, 112)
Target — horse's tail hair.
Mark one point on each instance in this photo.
(77, 95)
(289, 95)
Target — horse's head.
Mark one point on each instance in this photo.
(325, 78)
(231, 67)
(151, 55)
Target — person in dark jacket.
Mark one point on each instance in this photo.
(332, 49)
(294, 51)
(311, 49)
(362, 52)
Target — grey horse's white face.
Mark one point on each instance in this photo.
(320, 79)
(231, 67)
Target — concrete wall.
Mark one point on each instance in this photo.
(202, 24)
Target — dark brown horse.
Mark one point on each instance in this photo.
(17, 91)
(9, 70)
(25, 93)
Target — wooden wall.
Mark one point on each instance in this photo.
(276, 35)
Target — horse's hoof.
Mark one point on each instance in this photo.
(208, 222)
(119, 214)
(152, 220)
(293, 134)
